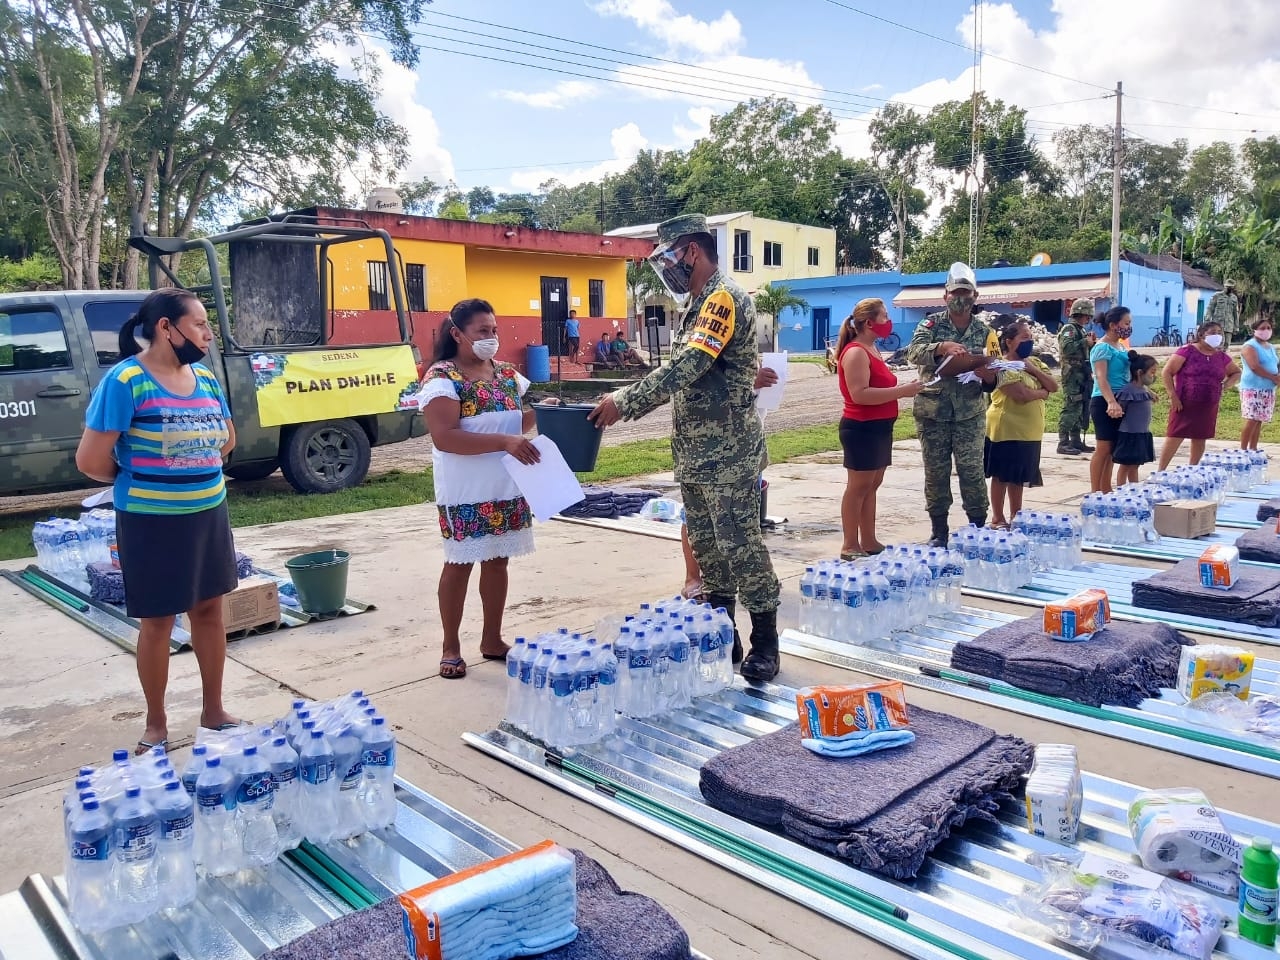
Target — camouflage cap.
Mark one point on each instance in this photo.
(669, 231)
(1228, 283)
(1082, 308)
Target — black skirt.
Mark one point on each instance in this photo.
(1134, 449)
(1105, 428)
(1013, 461)
(171, 562)
(867, 444)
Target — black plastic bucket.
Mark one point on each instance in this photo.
(576, 436)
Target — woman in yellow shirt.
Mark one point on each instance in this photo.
(1015, 423)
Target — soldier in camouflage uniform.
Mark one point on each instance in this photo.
(1077, 379)
(1224, 310)
(717, 439)
(951, 416)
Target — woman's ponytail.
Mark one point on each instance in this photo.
(129, 345)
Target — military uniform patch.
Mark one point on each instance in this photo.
(713, 327)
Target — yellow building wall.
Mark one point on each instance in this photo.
(512, 280)
(446, 271)
(796, 239)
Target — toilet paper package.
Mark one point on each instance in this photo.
(1214, 668)
(1054, 793)
(1179, 830)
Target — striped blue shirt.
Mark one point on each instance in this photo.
(170, 447)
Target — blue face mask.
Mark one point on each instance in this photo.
(1025, 348)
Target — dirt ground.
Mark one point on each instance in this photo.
(68, 697)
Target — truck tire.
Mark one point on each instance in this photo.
(324, 457)
(253, 471)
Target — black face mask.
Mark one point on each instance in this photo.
(187, 352)
(677, 276)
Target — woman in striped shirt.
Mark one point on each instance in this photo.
(158, 428)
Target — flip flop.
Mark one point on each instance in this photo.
(847, 555)
(495, 656)
(229, 725)
(457, 665)
(146, 747)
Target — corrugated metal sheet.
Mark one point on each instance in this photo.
(1260, 491)
(963, 892)
(244, 916)
(1118, 579)
(910, 655)
(1234, 512)
(1166, 548)
(1011, 291)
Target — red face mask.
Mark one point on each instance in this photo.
(883, 328)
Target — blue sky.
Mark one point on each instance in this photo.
(484, 121)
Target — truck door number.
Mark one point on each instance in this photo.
(14, 409)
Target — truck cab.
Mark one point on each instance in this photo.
(55, 347)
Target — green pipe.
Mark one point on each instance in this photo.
(40, 583)
(845, 894)
(1101, 713)
(334, 882)
(335, 867)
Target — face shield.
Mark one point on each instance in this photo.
(668, 263)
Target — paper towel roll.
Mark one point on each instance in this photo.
(1177, 830)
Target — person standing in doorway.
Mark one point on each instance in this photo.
(1110, 375)
(717, 438)
(574, 341)
(1194, 379)
(158, 428)
(1074, 344)
(951, 415)
(1224, 310)
(1258, 383)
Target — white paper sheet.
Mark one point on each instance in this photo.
(549, 485)
(104, 497)
(770, 398)
(937, 371)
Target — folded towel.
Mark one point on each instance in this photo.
(1261, 545)
(882, 812)
(1122, 664)
(612, 925)
(106, 583)
(1255, 598)
(1268, 509)
(857, 745)
(609, 504)
(244, 566)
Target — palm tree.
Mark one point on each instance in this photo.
(772, 299)
(642, 283)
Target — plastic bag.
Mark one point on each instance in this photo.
(1260, 715)
(1093, 903)
(662, 508)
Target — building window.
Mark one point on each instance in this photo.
(772, 254)
(378, 285)
(595, 298)
(813, 256)
(742, 251)
(415, 281)
(32, 340)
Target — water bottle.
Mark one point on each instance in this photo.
(1088, 516)
(1113, 521)
(560, 677)
(175, 849)
(822, 603)
(348, 776)
(806, 600)
(607, 665)
(282, 761)
(134, 869)
(876, 602)
(972, 557)
(853, 619)
(90, 891)
(724, 623)
(622, 654)
(1004, 571)
(259, 841)
(987, 571)
(1130, 520)
(709, 655)
(661, 668)
(584, 709)
(378, 793)
(217, 843)
(316, 769)
(640, 676)
(1146, 522)
(538, 711)
(515, 697)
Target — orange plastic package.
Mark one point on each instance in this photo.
(1219, 567)
(838, 711)
(1077, 618)
(427, 933)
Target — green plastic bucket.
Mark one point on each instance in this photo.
(321, 580)
(576, 436)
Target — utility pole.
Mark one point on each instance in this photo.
(1117, 151)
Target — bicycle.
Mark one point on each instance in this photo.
(890, 344)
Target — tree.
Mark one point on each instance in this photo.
(1084, 164)
(865, 219)
(189, 106)
(772, 299)
(642, 283)
(900, 148)
(1213, 176)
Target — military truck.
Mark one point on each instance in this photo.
(276, 316)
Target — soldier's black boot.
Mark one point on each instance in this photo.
(1067, 447)
(976, 520)
(730, 605)
(1077, 441)
(764, 661)
(940, 533)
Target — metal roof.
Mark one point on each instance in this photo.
(645, 231)
(1012, 291)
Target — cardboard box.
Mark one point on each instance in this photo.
(1187, 519)
(1219, 567)
(255, 603)
(1214, 668)
(1077, 618)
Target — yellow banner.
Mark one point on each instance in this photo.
(329, 384)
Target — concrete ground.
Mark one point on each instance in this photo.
(68, 697)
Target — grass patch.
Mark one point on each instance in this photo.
(272, 501)
(1230, 423)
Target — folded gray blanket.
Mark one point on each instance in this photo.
(1121, 664)
(1261, 545)
(609, 504)
(1268, 509)
(612, 925)
(1255, 599)
(883, 812)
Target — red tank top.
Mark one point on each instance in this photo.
(881, 376)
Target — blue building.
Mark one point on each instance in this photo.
(1161, 294)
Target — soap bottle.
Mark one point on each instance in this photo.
(1259, 897)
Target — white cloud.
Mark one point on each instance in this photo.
(563, 94)
(679, 31)
(700, 126)
(723, 81)
(626, 141)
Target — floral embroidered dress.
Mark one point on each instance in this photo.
(482, 514)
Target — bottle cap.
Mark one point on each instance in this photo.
(279, 742)
(1262, 843)
(90, 804)
(132, 792)
(172, 785)
(317, 734)
(199, 750)
(119, 755)
(251, 751)
(213, 762)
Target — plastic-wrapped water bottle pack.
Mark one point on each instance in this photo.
(1244, 468)
(1126, 517)
(1055, 538)
(138, 830)
(993, 559)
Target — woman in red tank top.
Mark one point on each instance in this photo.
(871, 393)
